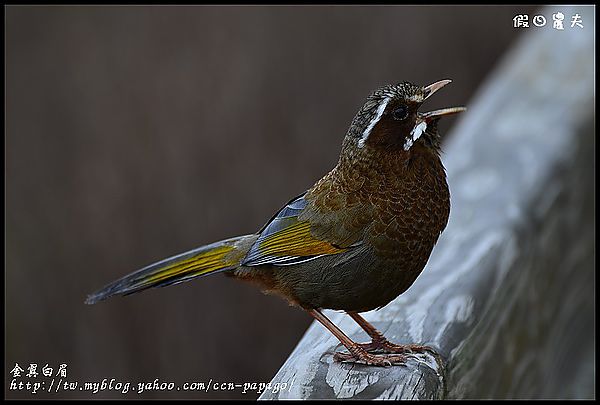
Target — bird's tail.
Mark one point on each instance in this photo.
(209, 259)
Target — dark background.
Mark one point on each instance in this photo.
(135, 133)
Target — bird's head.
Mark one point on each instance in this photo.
(390, 119)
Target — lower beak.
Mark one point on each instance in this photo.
(432, 115)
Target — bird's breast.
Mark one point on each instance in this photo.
(408, 207)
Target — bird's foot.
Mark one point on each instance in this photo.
(384, 346)
(362, 357)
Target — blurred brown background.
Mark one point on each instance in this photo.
(135, 133)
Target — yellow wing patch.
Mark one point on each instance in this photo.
(296, 240)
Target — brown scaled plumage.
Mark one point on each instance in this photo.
(355, 240)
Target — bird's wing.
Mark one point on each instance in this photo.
(286, 239)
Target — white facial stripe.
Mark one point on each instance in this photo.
(415, 134)
(380, 110)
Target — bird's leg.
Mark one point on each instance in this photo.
(380, 343)
(357, 353)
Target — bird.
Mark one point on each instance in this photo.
(355, 240)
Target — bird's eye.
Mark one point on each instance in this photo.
(400, 112)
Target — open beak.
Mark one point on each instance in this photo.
(431, 115)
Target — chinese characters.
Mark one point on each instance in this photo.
(32, 371)
(558, 18)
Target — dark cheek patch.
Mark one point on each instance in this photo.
(389, 133)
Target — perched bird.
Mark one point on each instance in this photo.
(356, 239)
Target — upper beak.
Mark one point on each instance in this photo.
(432, 88)
(431, 115)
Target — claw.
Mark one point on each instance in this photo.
(380, 360)
(385, 346)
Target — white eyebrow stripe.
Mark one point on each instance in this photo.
(415, 134)
(380, 110)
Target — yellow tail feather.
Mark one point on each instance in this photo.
(219, 256)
